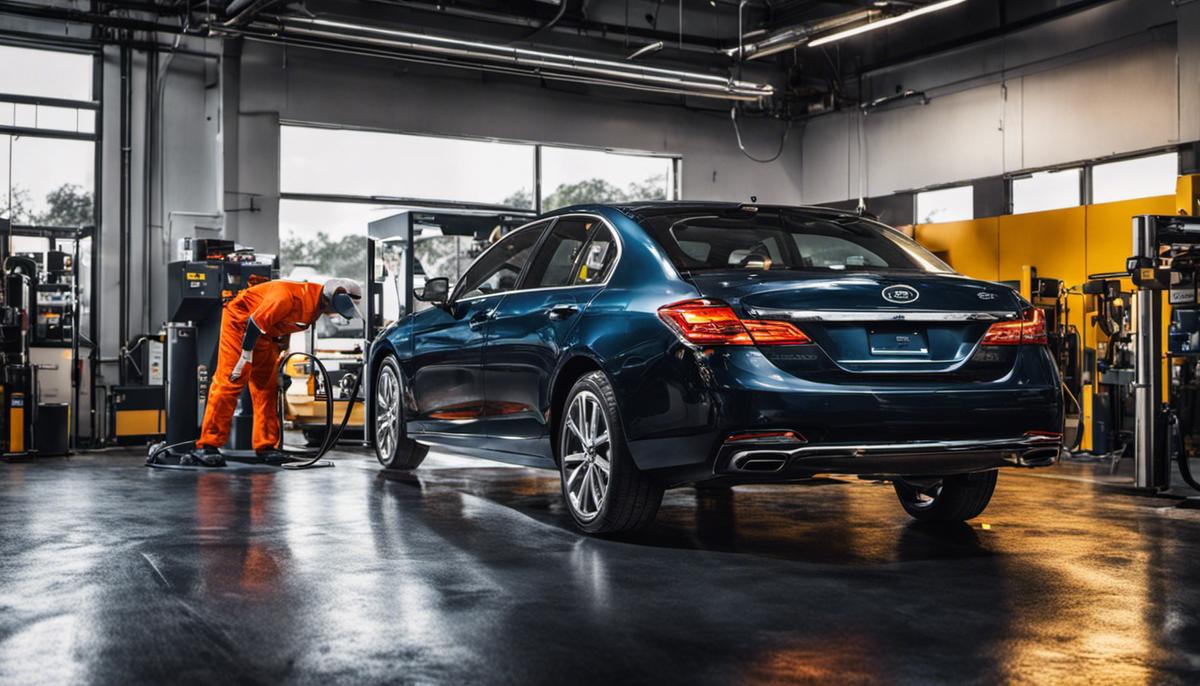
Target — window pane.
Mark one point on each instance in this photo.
(599, 257)
(574, 177)
(499, 269)
(45, 73)
(325, 238)
(374, 164)
(555, 261)
(1048, 190)
(946, 205)
(783, 240)
(52, 181)
(1142, 177)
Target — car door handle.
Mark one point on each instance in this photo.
(561, 311)
(479, 319)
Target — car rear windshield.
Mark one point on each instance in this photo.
(772, 239)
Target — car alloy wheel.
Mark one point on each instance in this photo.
(387, 411)
(587, 455)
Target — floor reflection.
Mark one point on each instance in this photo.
(110, 573)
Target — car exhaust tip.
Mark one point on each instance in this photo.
(760, 462)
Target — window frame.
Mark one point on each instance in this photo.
(549, 224)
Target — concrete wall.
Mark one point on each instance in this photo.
(1092, 84)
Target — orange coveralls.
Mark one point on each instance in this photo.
(280, 308)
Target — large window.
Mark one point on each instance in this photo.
(1141, 177)
(1048, 190)
(45, 73)
(571, 176)
(387, 165)
(333, 182)
(946, 205)
(47, 137)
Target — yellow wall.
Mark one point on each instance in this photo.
(1066, 244)
(971, 247)
(1110, 230)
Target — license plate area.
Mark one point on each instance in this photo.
(897, 342)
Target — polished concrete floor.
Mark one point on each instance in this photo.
(469, 572)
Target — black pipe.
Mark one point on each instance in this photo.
(97, 213)
(150, 133)
(125, 197)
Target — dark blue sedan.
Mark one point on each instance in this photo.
(635, 348)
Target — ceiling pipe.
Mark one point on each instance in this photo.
(338, 35)
(795, 36)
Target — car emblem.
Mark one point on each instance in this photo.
(986, 295)
(901, 295)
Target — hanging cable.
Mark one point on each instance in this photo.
(562, 9)
(737, 132)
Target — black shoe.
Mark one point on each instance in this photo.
(203, 456)
(272, 456)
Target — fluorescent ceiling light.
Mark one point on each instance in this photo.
(863, 28)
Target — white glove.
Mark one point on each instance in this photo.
(247, 355)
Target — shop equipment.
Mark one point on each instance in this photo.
(1166, 257)
(1109, 366)
(19, 376)
(196, 290)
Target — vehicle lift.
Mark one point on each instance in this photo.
(1166, 257)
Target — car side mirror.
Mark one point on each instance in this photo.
(436, 291)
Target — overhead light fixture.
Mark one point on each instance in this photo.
(341, 36)
(792, 36)
(863, 28)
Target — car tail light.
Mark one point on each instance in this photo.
(1029, 330)
(768, 332)
(712, 322)
(705, 322)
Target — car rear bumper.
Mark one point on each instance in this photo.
(913, 458)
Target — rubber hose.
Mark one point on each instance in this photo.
(331, 436)
(1078, 406)
(1175, 444)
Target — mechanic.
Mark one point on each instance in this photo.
(255, 327)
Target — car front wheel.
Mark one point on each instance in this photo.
(954, 498)
(393, 448)
(604, 490)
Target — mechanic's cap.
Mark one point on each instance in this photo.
(343, 295)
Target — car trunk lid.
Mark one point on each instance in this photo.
(871, 322)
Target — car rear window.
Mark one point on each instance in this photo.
(770, 239)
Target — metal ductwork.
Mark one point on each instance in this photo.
(795, 36)
(359, 38)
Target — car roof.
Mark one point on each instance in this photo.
(641, 210)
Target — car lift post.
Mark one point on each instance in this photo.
(1152, 463)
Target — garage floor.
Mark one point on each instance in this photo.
(112, 573)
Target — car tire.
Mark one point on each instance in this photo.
(628, 498)
(954, 498)
(393, 448)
